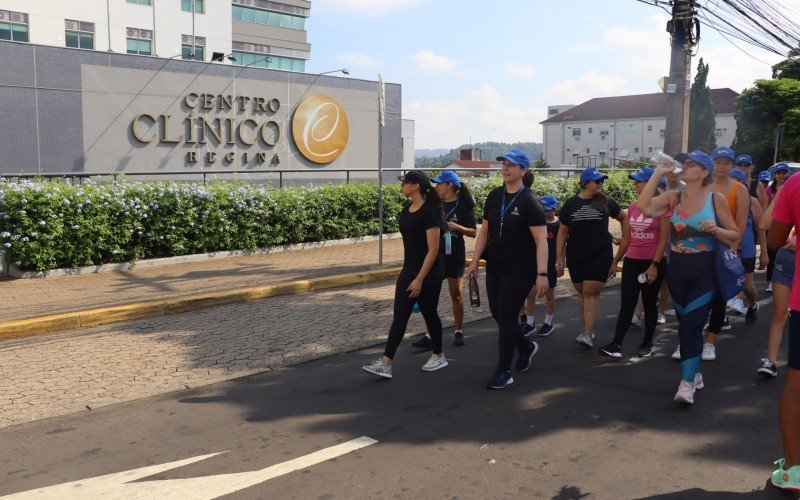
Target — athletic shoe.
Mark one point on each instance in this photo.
(459, 339)
(545, 330)
(752, 315)
(585, 339)
(500, 380)
(523, 319)
(709, 352)
(685, 393)
(646, 350)
(636, 321)
(528, 329)
(768, 368)
(786, 479)
(379, 369)
(726, 324)
(677, 353)
(698, 381)
(423, 342)
(769, 287)
(661, 319)
(435, 362)
(737, 305)
(611, 350)
(526, 357)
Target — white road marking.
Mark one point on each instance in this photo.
(119, 486)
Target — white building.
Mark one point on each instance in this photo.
(623, 127)
(260, 33)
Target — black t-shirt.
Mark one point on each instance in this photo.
(413, 227)
(552, 237)
(515, 250)
(462, 214)
(588, 227)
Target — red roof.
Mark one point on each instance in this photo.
(629, 107)
(475, 166)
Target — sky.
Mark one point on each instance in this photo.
(486, 71)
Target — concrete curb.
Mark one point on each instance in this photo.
(115, 314)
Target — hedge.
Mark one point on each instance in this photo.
(55, 224)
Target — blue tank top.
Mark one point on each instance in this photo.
(748, 247)
(686, 234)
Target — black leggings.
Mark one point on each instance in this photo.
(719, 309)
(507, 293)
(630, 295)
(428, 301)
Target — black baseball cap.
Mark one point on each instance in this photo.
(416, 177)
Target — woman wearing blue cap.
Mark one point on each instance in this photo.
(747, 251)
(780, 173)
(584, 239)
(515, 234)
(754, 187)
(550, 204)
(691, 277)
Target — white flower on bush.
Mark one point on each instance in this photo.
(25, 239)
(7, 245)
(42, 223)
(5, 234)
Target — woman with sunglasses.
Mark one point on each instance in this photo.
(691, 276)
(421, 278)
(584, 240)
(779, 174)
(515, 232)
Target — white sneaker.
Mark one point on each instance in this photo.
(379, 369)
(769, 287)
(435, 362)
(685, 393)
(737, 305)
(636, 321)
(698, 381)
(661, 319)
(585, 339)
(709, 352)
(677, 353)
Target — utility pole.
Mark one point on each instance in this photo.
(678, 86)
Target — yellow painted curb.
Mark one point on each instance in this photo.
(115, 314)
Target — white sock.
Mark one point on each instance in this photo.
(531, 319)
(548, 318)
(459, 331)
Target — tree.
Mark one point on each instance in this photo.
(702, 113)
(759, 111)
(788, 68)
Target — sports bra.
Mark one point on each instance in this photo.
(686, 233)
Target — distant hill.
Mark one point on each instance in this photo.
(430, 153)
(489, 151)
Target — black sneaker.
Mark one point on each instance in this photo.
(423, 342)
(526, 357)
(726, 324)
(500, 380)
(645, 350)
(459, 339)
(527, 329)
(768, 368)
(523, 319)
(752, 315)
(611, 350)
(545, 330)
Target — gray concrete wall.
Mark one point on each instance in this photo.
(69, 110)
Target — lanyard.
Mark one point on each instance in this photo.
(503, 208)
(451, 212)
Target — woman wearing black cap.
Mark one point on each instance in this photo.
(514, 230)
(421, 278)
(584, 234)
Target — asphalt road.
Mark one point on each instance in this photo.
(577, 425)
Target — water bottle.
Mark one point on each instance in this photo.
(474, 293)
(642, 278)
(416, 308)
(448, 243)
(661, 158)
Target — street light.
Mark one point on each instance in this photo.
(343, 71)
(221, 56)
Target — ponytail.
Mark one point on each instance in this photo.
(464, 196)
(432, 197)
(527, 178)
(600, 200)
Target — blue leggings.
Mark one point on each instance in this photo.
(692, 284)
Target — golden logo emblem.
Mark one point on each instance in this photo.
(320, 128)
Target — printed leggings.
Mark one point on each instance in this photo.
(428, 301)
(507, 293)
(692, 284)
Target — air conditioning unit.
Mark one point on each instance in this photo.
(5, 15)
(71, 25)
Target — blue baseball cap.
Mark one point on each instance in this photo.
(592, 174)
(738, 175)
(549, 202)
(723, 152)
(780, 167)
(447, 176)
(662, 182)
(517, 157)
(643, 175)
(765, 176)
(746, 159)
(703, 159)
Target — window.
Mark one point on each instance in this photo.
(590, 130)
(139, 41)
(622, 128)
(649, 128)
(199, 6)
(661, 133)
(266, 17)
(633, 127)
(14, 26)
(139, 2)
(649, 150)
(199, 47)
(269, 61)
(588, 151)
(576, 133)
(78, 34)
(635, 150)
(552, 112)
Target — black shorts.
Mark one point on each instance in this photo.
(552, 278)
(454, 269)
(749, 265)
(591, 268)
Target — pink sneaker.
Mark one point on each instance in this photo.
(698, 381)
(685, 393)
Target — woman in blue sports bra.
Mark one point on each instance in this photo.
(691, 278)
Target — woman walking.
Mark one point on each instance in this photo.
(584, 239)
(514, 231)
(421, 278)
(691, 277)
(644, 240)
(780, 174)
